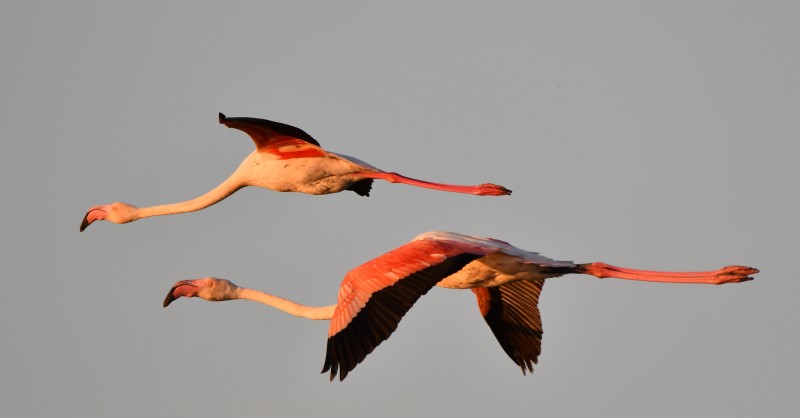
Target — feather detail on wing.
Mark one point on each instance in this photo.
(374, 297)
(512, 313)
(283, 140)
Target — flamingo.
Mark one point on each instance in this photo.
(506, 280)
(286, 159)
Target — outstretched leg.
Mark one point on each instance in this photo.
(486, 189)
(729, 274)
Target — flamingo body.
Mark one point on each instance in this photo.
(325, 174)
(286, 159)
(506, 281)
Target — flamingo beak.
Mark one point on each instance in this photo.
(96, 213)
(185, 288)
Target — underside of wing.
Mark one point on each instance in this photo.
(512, 313)
(361, 187)
(356, 332)
(266, 133)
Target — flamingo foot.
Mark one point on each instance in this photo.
(735, 274)
(489, 189)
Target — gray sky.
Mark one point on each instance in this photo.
(658, 135)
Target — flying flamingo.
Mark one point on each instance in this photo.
(286, 159)
(506, 280)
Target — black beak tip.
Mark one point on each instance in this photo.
(85, 223)
(169, 298)
(222, 117)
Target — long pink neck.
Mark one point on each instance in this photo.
(310, 312)
(729, 274)
(225, 189)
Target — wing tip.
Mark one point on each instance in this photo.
(361, 187)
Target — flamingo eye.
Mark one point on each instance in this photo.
(210, 283)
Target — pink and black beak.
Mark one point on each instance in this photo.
(96, 213)
(186, 288)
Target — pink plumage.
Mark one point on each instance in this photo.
(506, 280)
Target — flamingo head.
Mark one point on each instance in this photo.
(209, 288)
(117, 212)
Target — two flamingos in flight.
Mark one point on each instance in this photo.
(373, 297)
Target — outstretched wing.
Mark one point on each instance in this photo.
(513, 315)
(278, 138)
(374, 296)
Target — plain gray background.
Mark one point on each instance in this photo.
(659, 135)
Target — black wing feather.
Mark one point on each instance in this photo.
(361, 187)
(514, 318)
(381, 314)
(262, 130)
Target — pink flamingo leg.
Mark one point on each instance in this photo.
(486, 189)
(729, 274)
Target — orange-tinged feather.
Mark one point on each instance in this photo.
(287, 147)
(388, 269)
